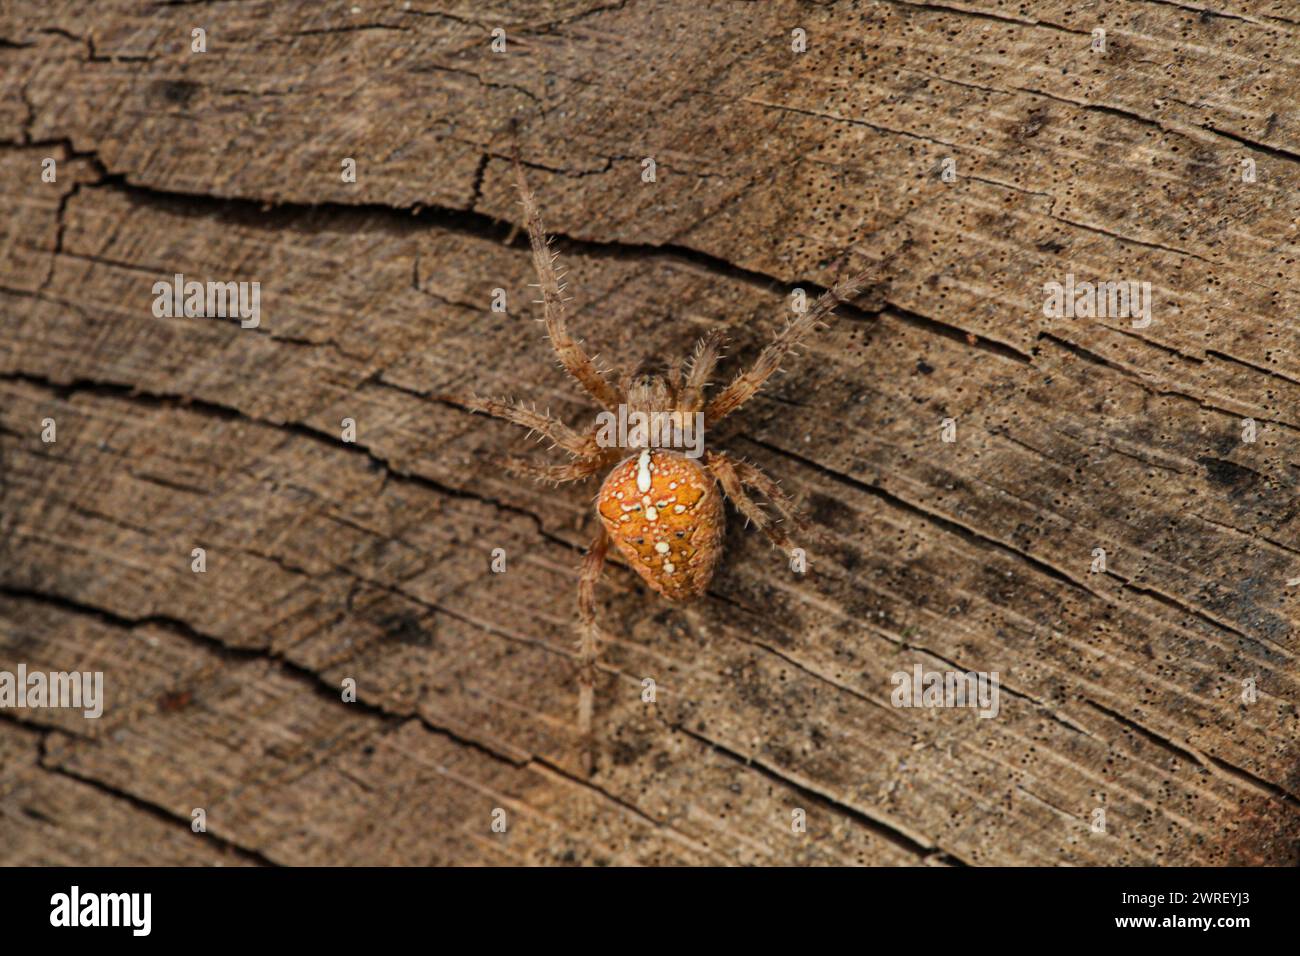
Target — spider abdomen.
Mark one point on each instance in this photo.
(664, 514)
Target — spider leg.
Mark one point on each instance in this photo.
(703, 361)
(754, 477)
(553, 474)
(543, 423)
(589, 640)
(727, 472)
(745, 385)
(571, 353)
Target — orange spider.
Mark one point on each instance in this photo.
(662, 509)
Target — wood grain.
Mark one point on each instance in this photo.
(775, 171)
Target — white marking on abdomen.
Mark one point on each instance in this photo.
(643, 471)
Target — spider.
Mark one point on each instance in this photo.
(662, 509)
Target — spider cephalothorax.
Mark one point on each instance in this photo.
(661, 501)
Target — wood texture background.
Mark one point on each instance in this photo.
(776, 170)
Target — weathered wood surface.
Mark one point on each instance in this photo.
(329, 560)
